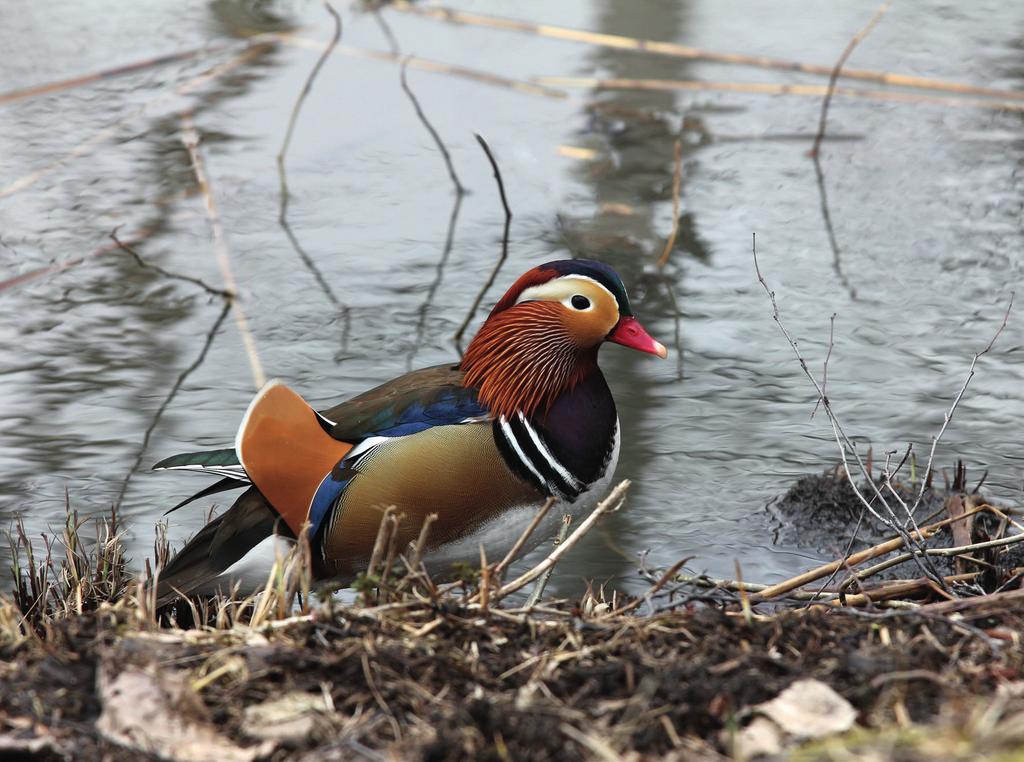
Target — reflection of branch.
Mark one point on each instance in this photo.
(450, 236)
(834, 76)
(166, 273)
(837, 264)
(282, 214)
(844, 443)
(504, 244)
(386, 29)
(820, 135)
(459, 190)
(170, 396)
(298, 105)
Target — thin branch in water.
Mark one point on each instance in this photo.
(677, 184)
(956, 401)
(834, 76)
(175, 388)
(335, 37)
(504, 244)
(166, 273)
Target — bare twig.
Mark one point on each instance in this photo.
(538, 589)
(191, 140)
(844, 443)
(385, 27)
(858, 558)
(519, 543)
(956, 401)
(834, 76)
(610, 503)
(504, 244)
(824, 365)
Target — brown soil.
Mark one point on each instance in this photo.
(474, 687)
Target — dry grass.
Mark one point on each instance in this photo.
(420, 669)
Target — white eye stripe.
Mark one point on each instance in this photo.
(561, 289)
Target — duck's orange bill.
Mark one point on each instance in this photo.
(629, 333)
(285, 451)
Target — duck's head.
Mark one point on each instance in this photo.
(543, 335)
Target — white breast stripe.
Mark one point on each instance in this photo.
(510, 437)
(561, 470)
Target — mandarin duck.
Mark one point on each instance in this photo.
(526, 415)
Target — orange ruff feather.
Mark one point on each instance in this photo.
(285, 451)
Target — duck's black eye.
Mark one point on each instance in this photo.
(580, 302)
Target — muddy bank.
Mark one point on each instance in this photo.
(447, 683)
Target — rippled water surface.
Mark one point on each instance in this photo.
(925, 199)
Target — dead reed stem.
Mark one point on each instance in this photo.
(504, 244)
(257, 46)
(426, 64)
(676, 50)
(677, 184)
(191, 140)
(771, 88)
(834, 76)
(62, 85)
(856, 559)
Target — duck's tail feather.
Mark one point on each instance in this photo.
(219, 545)
(219, 486)
(217, 462)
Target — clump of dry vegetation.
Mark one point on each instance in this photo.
(418, 669)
